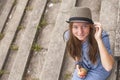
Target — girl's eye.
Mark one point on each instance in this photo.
(75, 27)
(84, 26)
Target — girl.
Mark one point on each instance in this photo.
(89, 46)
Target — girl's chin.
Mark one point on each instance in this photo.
(82, 39)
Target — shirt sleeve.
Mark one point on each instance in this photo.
(66, 35)
(105, 38)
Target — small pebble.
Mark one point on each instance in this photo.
(50, 5)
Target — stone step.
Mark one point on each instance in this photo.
(23, 54)
(109, 14)
(11, 30)
(117, 44)
(5, 12)
(117, 38)
(54, 58)
(108, 19)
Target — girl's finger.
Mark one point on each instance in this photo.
(82, 76)
(97, 23)
(96, 28)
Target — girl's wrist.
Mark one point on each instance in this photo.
(99, 40)
(77, 67)
(76, 63)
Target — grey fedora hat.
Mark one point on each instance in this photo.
(80, 14)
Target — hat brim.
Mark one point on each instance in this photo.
(80, 19)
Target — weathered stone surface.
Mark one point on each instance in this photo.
(5, 12)
(109, 19)
(27, 39)
(54, 57)
(12, 27)
(117, 38)
(109, 14)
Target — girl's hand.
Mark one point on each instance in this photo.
(82, 72)
(98, 31)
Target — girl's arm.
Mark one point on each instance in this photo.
(106, 59)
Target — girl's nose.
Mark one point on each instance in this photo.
(80, 31)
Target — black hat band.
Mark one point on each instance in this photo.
(80, 19)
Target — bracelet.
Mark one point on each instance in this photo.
(77, 63)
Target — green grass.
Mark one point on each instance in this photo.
(14, 47)
(3, 72)
(38, 27)
(56, 1)
(42, 23)
(36, 47)
(20, 27)
(29, 8)
(35, 78)
(15, 2)
(1, 36)
(67, 76)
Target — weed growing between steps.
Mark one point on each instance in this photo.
(1, 36)
(14, 47)
(20, 27)
(35, 79)
(42, 23)
(29, 8)
(15, 2)
(56, 1)
(67, 76)
(36, 47)
(3, 72)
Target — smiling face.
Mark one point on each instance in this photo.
(81, 30)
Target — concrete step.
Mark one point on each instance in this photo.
(23, 54)
(117, 38)
(108, 19)
(11, 30)
(5, 12)
(117, 44)
(54, 57)
(109, 14)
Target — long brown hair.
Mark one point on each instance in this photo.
(74, 46)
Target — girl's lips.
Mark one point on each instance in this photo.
(81, 36)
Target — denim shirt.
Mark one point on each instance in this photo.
(86, 63)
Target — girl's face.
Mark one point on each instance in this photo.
(81, 30)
